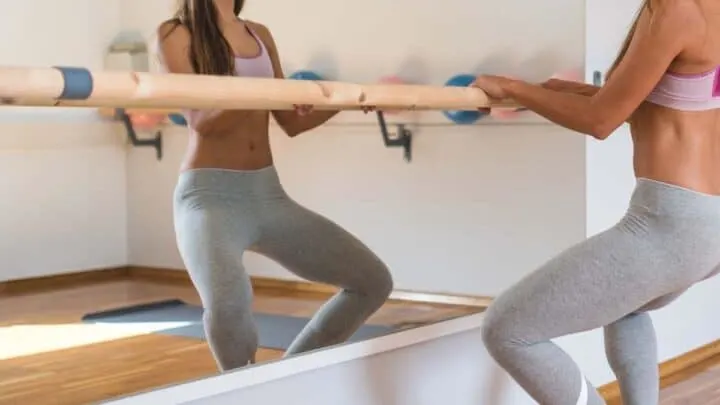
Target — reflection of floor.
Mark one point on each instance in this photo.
(48, 357)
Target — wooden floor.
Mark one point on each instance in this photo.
(703, 389)
(48, 357)
(697, 386)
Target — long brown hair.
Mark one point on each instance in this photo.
(628, 39)
(209, 53)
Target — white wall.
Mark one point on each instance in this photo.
(449, 221)
(477, 208)
(63, 172)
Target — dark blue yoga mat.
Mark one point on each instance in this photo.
(275, 331)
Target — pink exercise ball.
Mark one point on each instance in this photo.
(146, 120)
(568, 74)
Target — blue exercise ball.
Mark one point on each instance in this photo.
(178, 119)
(305, 75)
(461, 116)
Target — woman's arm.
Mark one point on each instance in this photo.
(290, 121)
(566, 86)
(173, 44)
(658, 39)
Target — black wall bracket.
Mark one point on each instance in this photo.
(403, 137)
(155, 142)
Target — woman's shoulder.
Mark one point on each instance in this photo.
(257, 27)
(171, 26)
(683, 19)
(676, 8)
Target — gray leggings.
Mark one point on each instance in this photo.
(668, 240)
(219, 214)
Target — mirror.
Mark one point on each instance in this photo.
(102, 274)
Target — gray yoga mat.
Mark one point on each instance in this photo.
(275, 331)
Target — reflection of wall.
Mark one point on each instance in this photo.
(63, 172)
(128, 52)
(479, 207)
(476, 209)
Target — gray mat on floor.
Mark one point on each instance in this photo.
(275, 331)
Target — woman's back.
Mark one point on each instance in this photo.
(676, 132)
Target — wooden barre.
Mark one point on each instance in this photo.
(79, 87)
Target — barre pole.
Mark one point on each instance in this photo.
(80, 87)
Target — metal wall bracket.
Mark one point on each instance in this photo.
(402, 138)
(155, 142)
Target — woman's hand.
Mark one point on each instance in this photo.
(494, 86)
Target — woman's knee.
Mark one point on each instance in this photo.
(377, 283)
(384, 282)
(232, 335)
(499, 330)
(491, 332)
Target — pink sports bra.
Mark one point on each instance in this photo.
(688, 92)
(256, 66)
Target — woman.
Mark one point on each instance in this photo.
(664, 84)
(228, 198)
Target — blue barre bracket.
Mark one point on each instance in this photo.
(77, 83)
